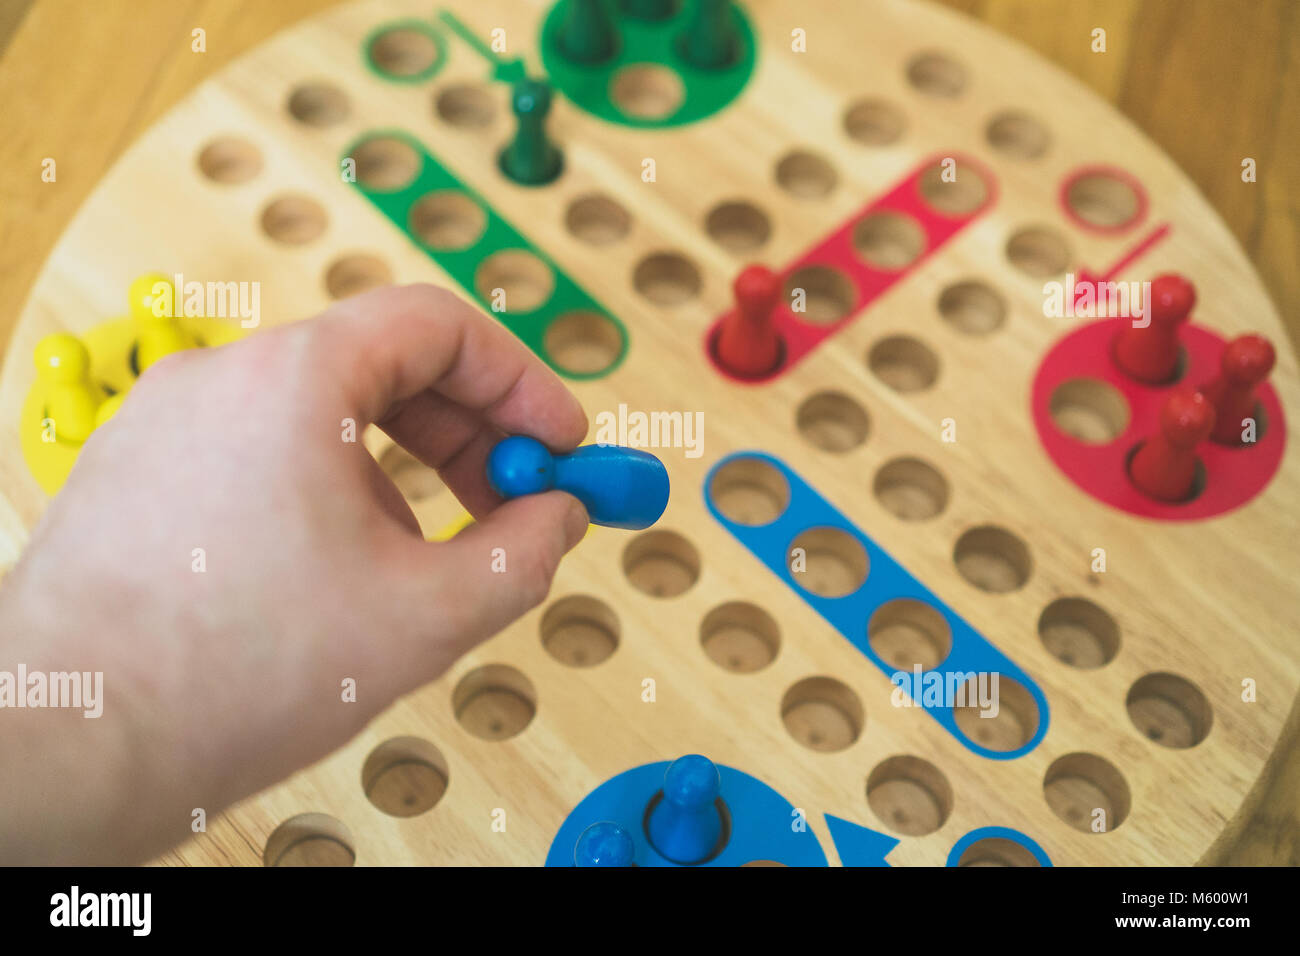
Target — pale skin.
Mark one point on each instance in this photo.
(218, 684)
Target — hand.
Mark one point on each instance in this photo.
(220, 682)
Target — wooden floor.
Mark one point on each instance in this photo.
(1212, 83)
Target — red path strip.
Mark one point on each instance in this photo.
(837, 252)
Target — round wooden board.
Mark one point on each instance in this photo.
(1210, 601)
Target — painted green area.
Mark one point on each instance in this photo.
(498, 235)
(509, 71)
(416, 26)
(652, 42)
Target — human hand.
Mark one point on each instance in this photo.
(220, 682)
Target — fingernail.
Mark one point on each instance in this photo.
(575, 524)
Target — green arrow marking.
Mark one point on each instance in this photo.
(508, 71)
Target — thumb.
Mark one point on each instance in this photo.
(496, 569)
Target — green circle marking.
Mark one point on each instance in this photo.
(415, 26)
(650, 43)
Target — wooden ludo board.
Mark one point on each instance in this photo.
(242, 182)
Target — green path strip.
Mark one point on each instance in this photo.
(509, 71)
(570, 320)
(653, 44)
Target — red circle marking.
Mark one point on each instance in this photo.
(1114, 172)
(1233, 475)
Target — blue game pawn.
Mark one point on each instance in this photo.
(685, 825)
(603, 844)
(620, 487)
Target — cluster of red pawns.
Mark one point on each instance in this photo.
(1164, 465)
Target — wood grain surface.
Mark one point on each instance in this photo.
(1211, 83)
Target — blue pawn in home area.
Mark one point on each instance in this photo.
(685, 826)
(603, 844)
(620, 487)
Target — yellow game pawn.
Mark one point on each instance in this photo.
(152, 295)
(158, 338)
(109, 408)
(71, 400)
(152, 299)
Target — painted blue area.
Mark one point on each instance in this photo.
(886, 580)
(762, 821)
(857, 845)
(1005, 833)
(620, 487)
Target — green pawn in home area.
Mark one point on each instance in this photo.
(710, 41)
(530, 158)
(588, 35)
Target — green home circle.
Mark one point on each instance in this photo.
(653, 63)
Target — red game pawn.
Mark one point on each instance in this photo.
(1150, 353)
(1246, 363)
(748, 345)
(1164, 466)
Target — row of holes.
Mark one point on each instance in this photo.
(1098, 199)
(1075, 630)
(403, 53)
(581, 631)
(667, 278)
(664, 564)
(447, 221)
(408, 776)
(317, 839)
(450, 221)
(748, 491)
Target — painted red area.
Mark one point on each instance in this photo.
(837, 251)
(1087, 280)
(1114, 172)
(1137, 251)
(1233, 474)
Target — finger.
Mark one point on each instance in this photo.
(389, 498)
(452, 440)
(490, 573)
(466, 475)
(390, 344)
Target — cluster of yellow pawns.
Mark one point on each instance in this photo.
(81, 381)
(75, 405)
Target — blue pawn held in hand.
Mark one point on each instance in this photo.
(603, 844)
(685, 826)
(620, 487)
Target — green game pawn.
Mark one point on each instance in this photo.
(588, 34)
(711, 40)
(531, 159)
(649, 9)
